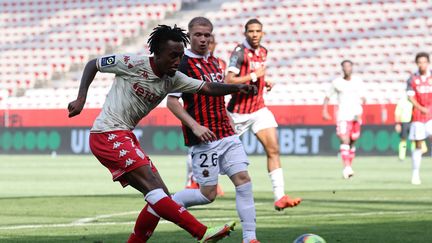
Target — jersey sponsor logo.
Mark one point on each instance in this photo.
(145, 94)
(213, 77)
(255, 65)
(424, 89)
(107, 61)
(126, 59)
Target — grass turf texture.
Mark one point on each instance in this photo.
(72, 199)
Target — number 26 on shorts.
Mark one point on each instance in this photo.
(208, 160)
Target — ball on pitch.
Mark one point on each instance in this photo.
(309, 238)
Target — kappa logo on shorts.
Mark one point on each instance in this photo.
(116, 145)
(111, 136)
(131, 141)
(129, 161)
(107, 61)
(206, 173)
(123, 152)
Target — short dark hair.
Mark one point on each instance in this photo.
(200, 21)
(346, 61)
(164, 33)
(252, 21)
(420, 55)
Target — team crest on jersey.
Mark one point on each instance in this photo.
(139, 153)
(250, 54)
(107, 61)
(206, 173)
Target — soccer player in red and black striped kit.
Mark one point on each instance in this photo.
(214, 146)
(247, 66)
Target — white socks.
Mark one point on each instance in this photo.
(277, 180)
(155, 195)
(190, 197)
(416, 162)
(246, 211)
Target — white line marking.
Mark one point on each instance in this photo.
(74, 224)
(103, 216)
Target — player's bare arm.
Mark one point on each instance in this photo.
(417, 105)
(75, 107)
(325, 113)
(202, 132)
(218, 89)
(231, 77)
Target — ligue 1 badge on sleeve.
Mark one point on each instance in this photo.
(107, 61)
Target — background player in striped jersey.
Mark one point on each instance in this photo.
(141, 83)
(247, 66)
(349, 89)
(419, 91)
(215, 148)
(190, 179)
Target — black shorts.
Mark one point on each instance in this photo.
(405, 128)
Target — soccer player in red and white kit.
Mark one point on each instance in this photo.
(419, 91)
(141, 83)
(350, 92)
(214, 146)
(247, 66)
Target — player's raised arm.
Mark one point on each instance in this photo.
(202, 132)
(75, 107)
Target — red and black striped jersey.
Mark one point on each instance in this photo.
(244, 60)
(420, 87)
(209, 111)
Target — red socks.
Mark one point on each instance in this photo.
(170, 210)
(144, 226)
(345, 154)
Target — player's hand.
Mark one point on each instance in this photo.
(269, 85)
(260, 71)
(76, 106)
(204, 134)
(326, 116)
(424, 110)
(398, 128)
(248, 89)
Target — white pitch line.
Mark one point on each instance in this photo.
(103, 216)
(37, 226)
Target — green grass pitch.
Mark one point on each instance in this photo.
(72, 199)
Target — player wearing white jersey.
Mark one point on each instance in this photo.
(349, 90)
(141, 83)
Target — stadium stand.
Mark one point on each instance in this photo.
(307, 40)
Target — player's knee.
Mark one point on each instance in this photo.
(240, 178)
(272, 150)
(209, 192)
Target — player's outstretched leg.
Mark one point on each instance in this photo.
(269, 141)
(144, 180)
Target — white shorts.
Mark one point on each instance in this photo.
(225, 156)
(420, 130)
(258, 120)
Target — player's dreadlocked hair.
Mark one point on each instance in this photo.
(164, 33)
